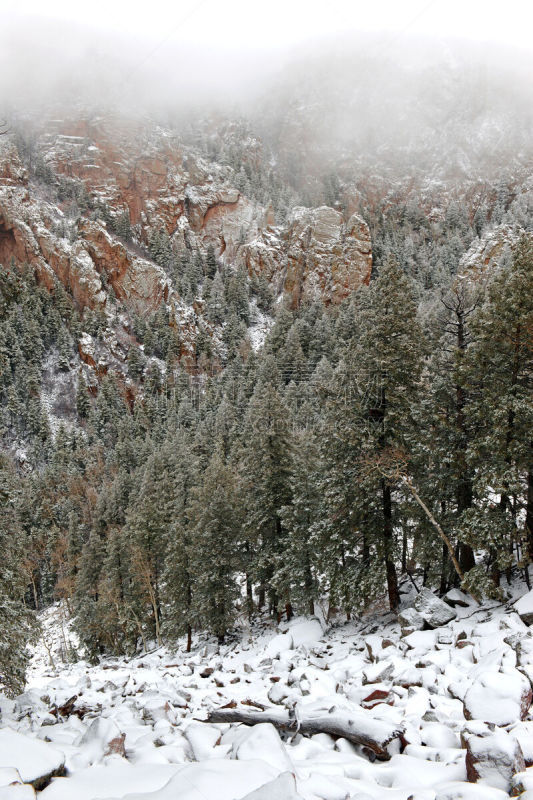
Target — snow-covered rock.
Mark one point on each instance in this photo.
(462, 791)
(433, 610)
(410, 620)
(455, 597)
(305, 632)
(524, 608)
(223, 780)
(361, 676)
(18, 791)
(110, 780)
(500, 698)
(493, 759)
(35, 761)
(103, 737)
(262, 740)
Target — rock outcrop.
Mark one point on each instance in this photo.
(326, 257)
(87, 176)
(127, 168)
(27, 237)
(138, 282)
(318, 256)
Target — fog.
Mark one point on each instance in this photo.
(322, 81)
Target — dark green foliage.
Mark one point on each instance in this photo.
(18, 623)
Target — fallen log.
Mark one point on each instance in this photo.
(358, 727)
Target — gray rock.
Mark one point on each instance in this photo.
(410, 620)
(433, 611)
(455, 597)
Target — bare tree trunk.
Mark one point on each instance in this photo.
(529, 512)
(356, 727)
(388, 539)
(408, 482)
(444, 570)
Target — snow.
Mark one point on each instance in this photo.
(497, 697)
(139, 729)
(30, 757)
(259, 327)
(17, 792)
(112, 779)
(262, 739)
(282, 788)
(223, 780)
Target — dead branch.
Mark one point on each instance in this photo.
(358, 727)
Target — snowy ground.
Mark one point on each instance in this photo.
(134, 729)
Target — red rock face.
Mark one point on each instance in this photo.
(140, 283)
(122, 164)
(325, 257)
(141, 169)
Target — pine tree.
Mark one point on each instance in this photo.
(297, 574)
(83, 404)
(179, 584)
(266, 471)
(445, 431)
(215, 542)
(216, 303)
(149, 523)
(135, 363)
(210, 262)
(18, 623)
(88, 618)
(501, 382)
(371, 413)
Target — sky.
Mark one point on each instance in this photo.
(252, 24)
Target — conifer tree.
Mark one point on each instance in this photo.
(372, 412)
(83, 404)
(266, 471)
(501, 376)
(88, 617)
(215, 542)
(179, 585)
(296, 577)
(18, 623)
(210, 262)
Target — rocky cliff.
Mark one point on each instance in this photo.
(57, 214)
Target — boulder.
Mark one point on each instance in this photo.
(305, 632)
(17, 791)
(459, 790)
(37, 762)
(433, 611)
(263, 739)
(410, 620)
(493, 760)
(103, 737)
(455, 597)
(524, 608)
(500, 698)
